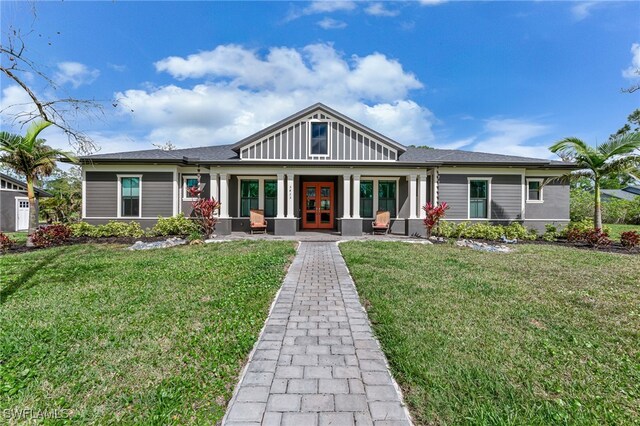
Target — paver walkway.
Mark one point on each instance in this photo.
(317, 362)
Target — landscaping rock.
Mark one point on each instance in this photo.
(476, 245)
(171, 242)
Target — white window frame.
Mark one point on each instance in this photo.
(376, 192)
(329, 139)
(541, 181)
(185, 196)
(119, 212)
(260, 180)
(488, 180)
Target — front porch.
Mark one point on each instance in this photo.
(342, 204)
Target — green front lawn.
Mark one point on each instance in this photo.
(544, 335)
(617, 229)
(146, 337)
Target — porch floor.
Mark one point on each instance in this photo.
(316, 236)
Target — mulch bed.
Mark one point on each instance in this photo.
(21, 248)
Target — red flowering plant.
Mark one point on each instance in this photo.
(434, 212)
(630, 239)
(51, 235)
(204, 210)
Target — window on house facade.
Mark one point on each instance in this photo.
(188, 183)
(366, 198)
(319, 139)
(249, 196)
(270, 198)
(478, 199)
(534, 190)
(130, 196)
(387, 196)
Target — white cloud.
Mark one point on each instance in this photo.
(321, 6)
(379, 9)
(432, 2)
(331, 24)
(632, 71)
(14, 104)
(511, 136)
(244, 91)
(582, 9)
(117, 67)
(75, 73)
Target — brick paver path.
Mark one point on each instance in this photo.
(317, 362)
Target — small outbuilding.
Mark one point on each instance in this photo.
(14, 204)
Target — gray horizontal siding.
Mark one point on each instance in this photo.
(506, 195)
(102, 194)
(345, 144)
(555, 203)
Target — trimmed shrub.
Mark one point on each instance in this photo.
(550, 233)
(51, 235)
(582, 227)
(591, 237)
(176, 225)
(630, 239)
(516, 230)
(82, 229)
(484, 231)
(6, 242)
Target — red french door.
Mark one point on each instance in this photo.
(317, 210)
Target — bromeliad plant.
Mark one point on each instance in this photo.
(434, 212)
(204, 210)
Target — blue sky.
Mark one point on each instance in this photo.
(505, 77)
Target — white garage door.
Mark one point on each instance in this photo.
(22, 214)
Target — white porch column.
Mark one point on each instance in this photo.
(356, 196)
(281, 196)
(290, 198)
(412, 196)
(176, 194)
(213, 186)
(422, 195)
(346, 204)
(224, 196)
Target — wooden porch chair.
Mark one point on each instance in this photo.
(258, 223)
(381, 224)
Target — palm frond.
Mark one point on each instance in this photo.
(31, 138)
(620, 145)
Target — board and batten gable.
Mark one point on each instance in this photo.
(346, 143)
(102, 194)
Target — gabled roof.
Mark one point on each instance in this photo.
(39, 192)
(622, 194)
(317, 107)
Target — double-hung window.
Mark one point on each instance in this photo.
(249, 196)
(190, 183)
(366, 198)
(479, 198)
(534, 190)
(319, 138)
(270, 198)
(130, 196)
(387, 196)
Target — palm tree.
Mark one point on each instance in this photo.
(619, 155)
(30, 157)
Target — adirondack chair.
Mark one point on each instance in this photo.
(258, 224)
(381, 224)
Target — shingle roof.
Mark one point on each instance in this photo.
(413, 155)
(619, 193)
(39, 192)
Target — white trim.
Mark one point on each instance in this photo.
(522, 196)
(469, 179)
(17, 207)
(309, 126)
(541, 189)
(176, 194)
(434, 181)
(280, 211)
(412, 195)
(311, 169)
(355, 197)
(123, 217)
(422, 195)
(290, 195)
(119, 203)
(548, 220)
(128, 168)
(84, 193)
(224, 195)
(346, 192)
(184, 187)
(376, 193)
(260, 180)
